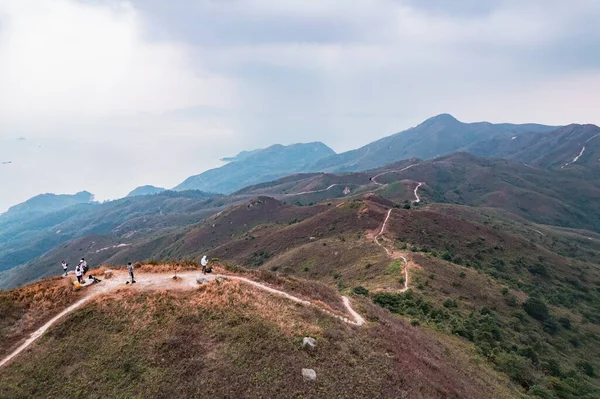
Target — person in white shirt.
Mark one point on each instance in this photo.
(65, 266)
(130, 270)
(204, 262)
(83, 266)
(78, 273)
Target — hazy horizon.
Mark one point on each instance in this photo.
(118, 94)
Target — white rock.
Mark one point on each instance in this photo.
(309, 374)
(108, 273)
(200, 279)
(309, 343)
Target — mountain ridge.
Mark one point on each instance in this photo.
(256, 167)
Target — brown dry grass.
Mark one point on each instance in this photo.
(231, 340)
(23, 309)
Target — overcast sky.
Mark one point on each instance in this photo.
(114, 94)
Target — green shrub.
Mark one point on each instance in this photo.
(395, 267)
(565, 322)
(587, 368)
(517, 367)
(450, 303)
(536, 308)
(360, 290)
(552, 367)
(259, 257)
(551, 325)
(511, 300)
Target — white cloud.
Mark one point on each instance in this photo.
(152, 91)
(62, 58)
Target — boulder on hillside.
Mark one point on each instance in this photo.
(200, 279)
(309, 374)
(108, 273)
(309, 343)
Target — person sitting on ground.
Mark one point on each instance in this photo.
(204, 263)
(130, 270)
(65, 266)
(93, 279)
(78, 273)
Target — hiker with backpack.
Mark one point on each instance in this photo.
(130, 270)
(204, 263)
(65, 266)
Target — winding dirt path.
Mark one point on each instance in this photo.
(391, 171)
(312, 192)
(392, 254)
(186, 281)
(576, 157)
(418, 199)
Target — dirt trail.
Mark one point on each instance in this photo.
(312, 192)
(150, 281)
(393, 255)
(390, 171)
(576, 157)
(417, 195)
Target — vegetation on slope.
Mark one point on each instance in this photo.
(530, 312)
(228, 339)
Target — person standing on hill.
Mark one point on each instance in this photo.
(130, 270)
(65, 266)
(204, 262)
(83, 265)
(78, 273)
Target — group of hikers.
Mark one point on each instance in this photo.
(80, 271)
(82, 268)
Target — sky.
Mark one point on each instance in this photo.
(110, 94)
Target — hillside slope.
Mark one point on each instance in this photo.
(570, 147)
(542, 196)
(230, 339)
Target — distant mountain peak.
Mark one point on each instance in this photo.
(443, 118)
(146, 190)
(257, 166)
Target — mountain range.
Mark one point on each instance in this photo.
(471, 250)
(437, 136)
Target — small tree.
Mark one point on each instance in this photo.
(360, 290)
(536, 308)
